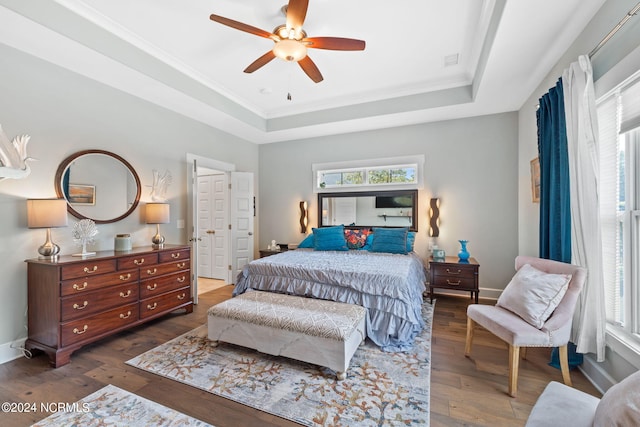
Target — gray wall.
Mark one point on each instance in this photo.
(471, 164)
(64, 113)
(624, 42)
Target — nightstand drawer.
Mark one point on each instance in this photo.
(454, 282)
(453, 270)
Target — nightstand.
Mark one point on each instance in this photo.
(453, 274)
(269, 252)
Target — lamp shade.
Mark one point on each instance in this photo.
(46, 213)
(157, 213)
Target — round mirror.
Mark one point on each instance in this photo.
(98, 185)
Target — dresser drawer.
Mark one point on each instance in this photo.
(140, 260)
(178, 254)
(92, 283)
(162, 284)
(88, 303)
(89, 268)
(83, 329)
(160, 269)
(453, 282)
(453, 271)
(164, 302)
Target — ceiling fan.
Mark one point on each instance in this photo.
(291, 41)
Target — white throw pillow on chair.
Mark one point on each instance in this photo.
(533, 294)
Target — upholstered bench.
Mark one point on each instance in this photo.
(324, 333)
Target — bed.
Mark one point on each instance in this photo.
(389, 285)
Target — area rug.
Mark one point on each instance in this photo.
(112, 406)
(380, 388)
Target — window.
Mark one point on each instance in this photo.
(383, 174)
(619, 125)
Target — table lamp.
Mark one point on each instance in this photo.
(157, 213)
(47, 213)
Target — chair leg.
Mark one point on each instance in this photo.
(514, 360)
(467, 346)
(564, 365)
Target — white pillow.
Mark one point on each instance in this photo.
(533, 294)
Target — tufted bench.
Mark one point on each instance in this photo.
(324, 333)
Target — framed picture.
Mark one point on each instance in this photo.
(535, 180)
(82, 194)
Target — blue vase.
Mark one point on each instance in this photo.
(463, 254)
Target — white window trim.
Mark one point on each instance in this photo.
(417, 160)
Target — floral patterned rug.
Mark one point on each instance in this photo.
(112, 406)
(380, 388)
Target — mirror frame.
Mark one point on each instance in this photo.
(412, 193)
(65, 164)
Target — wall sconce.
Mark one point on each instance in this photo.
(434, 217)
(157, 213)
(47, 213)
(304, 217)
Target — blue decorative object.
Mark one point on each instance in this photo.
(463, 254)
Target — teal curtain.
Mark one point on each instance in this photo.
(555, 217)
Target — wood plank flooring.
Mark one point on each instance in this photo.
(464, 391)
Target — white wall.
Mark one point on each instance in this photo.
(64, 113)
(627, 39)
(471, 164)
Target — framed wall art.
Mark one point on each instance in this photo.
(82, 194)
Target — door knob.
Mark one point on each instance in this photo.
(211, 231)
(250, 233)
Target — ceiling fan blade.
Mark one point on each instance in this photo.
(309, 67)
(334, 43)
(242, 27)
(296, 12)
(263, 60)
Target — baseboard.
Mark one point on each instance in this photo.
(11, 350)
(595, 374)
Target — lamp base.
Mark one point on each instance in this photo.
(48, 250)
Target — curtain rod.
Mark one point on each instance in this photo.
(606, 38)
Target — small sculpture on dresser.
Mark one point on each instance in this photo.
(84, 232)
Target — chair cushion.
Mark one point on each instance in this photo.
(560, 405)
(620, 405)
(533, 294)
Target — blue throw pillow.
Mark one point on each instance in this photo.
(330, 239)
(369, 242)
(390, 240)
(411, 239)
(308, 242)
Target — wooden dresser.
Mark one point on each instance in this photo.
(73, 301)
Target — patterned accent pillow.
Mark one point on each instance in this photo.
(356, 239)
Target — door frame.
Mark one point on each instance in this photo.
(193, 162)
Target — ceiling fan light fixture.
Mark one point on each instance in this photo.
(290, 50)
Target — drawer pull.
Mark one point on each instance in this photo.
(175, 255)
(79, 288)
(81, 307)
(80, 332)
(181, 297)
(152, 307)
(128, 294)
(125, 316)
(454, 272)
(151, 288)
(127, 277)
(93, 270)
(138, 261)
(152, 272)
(181, 279)
(449, 282)
(181, 264)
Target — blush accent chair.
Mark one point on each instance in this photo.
(517, 333)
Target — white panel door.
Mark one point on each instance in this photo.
(242, 210)
(220, 226)
(205, 229)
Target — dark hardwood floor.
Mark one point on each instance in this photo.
(464, 391)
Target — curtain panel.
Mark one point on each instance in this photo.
(555, 215)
